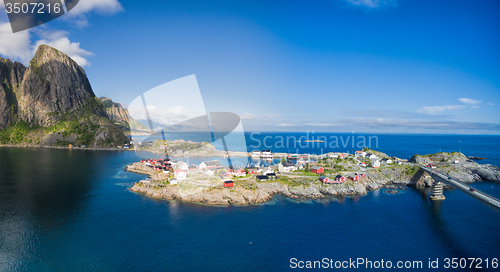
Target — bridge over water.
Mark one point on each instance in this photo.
(489, 201)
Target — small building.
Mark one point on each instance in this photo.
(360, 175)
(215, 164)
(376, 164)
(228, 183)
(180, 174)
(324, 179)
(253, 170)
(363, 164)
(261, 178)
(285, 167)
(317, 169)
(238, 172)
(386, 161)
(267, 170)
(174, 181)
(339, 179)
(209, 172)
(256, 153)
(225, 175)
(333, 155)
(358, 154)
(342, 155)
(271, 176)
(182, 165)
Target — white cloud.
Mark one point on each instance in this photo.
(436, 109)
(491, 104)
(58, 40)
(20, 47)
(373, 3)
(15, 45)
(78, 14)
(469, 101)
(247, 115)
(165, 115)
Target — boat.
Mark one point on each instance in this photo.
(267, 155)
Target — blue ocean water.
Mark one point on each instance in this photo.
(70, 210)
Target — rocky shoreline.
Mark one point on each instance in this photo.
(253, 192)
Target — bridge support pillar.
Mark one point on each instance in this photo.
(437, 192)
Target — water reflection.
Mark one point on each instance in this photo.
(42, 191)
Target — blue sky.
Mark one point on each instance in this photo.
(340, 65)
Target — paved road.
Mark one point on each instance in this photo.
(491, 202)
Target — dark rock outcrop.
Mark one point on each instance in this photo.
(11, 75)
(489, 172)
(120, 116)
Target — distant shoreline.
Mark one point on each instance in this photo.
(66, 147)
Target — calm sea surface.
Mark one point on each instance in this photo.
(70, 210)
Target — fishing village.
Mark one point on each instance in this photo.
(338, 174)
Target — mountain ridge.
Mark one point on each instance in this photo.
(51, 102)
(121, 117)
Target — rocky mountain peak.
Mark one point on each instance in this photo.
(53, 93)
(54, 85)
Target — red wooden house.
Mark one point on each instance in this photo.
(317, 169)
(237, 172)
(252, 170)
(228, 183)
(324, 179)
(339, 179)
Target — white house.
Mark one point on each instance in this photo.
(376, 164)
(173, 181)
(209, 172)
(215, 164)
(180, 174)
(267, 170)
(370, 156)
(388, 161)
(182, 165)
(334, 155)
(285, 167)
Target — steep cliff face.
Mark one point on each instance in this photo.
(54, 85)
(120, 116)
(52, 103)
(11, 75)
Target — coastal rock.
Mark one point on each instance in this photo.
(360, 189)
(441, 157)
(489, 172)
(305, 191)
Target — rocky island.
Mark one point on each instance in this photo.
(301, 183)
